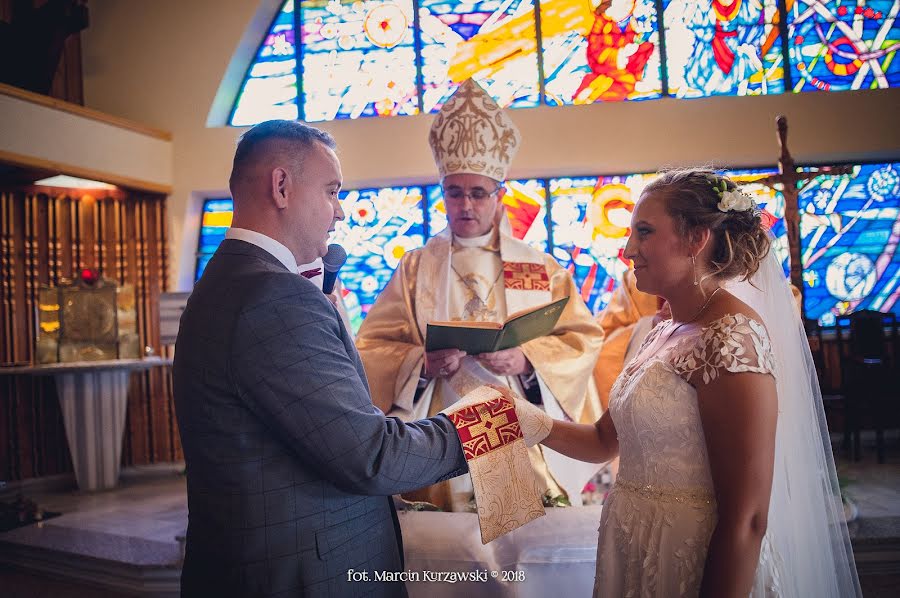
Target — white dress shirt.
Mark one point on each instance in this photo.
(282, 253)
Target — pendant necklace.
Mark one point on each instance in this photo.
(696, 315)
(477, 306)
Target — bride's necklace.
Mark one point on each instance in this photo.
(696, 315)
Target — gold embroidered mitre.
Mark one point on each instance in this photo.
(471, 134)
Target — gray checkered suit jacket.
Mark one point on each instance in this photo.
(289, 465)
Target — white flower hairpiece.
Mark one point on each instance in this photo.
(734, 200)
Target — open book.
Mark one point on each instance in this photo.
(486, 337)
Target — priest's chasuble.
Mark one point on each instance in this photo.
(483, 279)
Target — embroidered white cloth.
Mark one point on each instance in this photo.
(659, 517)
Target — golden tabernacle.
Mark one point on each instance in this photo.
(88, 319)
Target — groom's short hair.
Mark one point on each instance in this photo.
(288, 137)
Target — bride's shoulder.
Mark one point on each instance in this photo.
(730, 308)
(732, 340)
(731, 315)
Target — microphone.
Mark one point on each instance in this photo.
(332, 263)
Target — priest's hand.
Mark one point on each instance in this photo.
(509, 362)
(443, 363)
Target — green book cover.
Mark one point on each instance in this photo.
(486, 337)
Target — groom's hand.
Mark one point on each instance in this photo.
(533, 421)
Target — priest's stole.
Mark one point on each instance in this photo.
(507, 494)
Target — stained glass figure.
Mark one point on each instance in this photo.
(269, 89)
(604, 52)
(214, 221)
(837, 45)
(526, 207)
(492, 42)
(358, 59)
(591, 219)
(379, 227)
(722, 47)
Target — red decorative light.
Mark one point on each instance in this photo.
(89, 276)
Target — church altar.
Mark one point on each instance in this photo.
(554, 555)
(93, 397)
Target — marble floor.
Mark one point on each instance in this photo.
(138, 525)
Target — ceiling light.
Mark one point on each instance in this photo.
(63, 180)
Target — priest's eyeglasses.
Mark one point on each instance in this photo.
(456, 194)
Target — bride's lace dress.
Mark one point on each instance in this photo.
(658, 519)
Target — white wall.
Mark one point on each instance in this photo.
(89, 147)
(162, 62)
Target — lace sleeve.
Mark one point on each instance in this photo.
(733, 343)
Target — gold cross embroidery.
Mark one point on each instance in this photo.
(488, 425)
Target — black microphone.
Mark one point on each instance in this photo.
(332, 263)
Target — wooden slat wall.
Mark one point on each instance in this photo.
(45, 237)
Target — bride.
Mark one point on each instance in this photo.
(726, 484)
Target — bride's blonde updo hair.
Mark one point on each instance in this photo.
(692, 198)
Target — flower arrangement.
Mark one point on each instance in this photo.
(734, 200)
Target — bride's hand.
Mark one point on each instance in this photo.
(534, 422)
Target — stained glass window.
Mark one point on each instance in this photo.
(397, 57)
(720, 47)
(837, 45)
(358, 59)
(591, 220)
(489, 41)
(772, 204)
(379, 226)
(850, 229)
(269, 89)
(214, 221)
(526, 208)
(599, 56)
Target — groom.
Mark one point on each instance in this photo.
(289, 465)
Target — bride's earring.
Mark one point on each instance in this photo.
(694, 267)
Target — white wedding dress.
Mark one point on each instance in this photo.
(659, 517)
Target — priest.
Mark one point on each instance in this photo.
(475, 271)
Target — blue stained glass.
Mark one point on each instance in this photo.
(850, 228)
(837, 45)
(380, 226)
(526, 208)
(270, 87)
(358, 59)
(718, 48)
(591, 220)
(493, 42)
(214, 221)
(590, 57)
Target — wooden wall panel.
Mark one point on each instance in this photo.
(45, 236)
